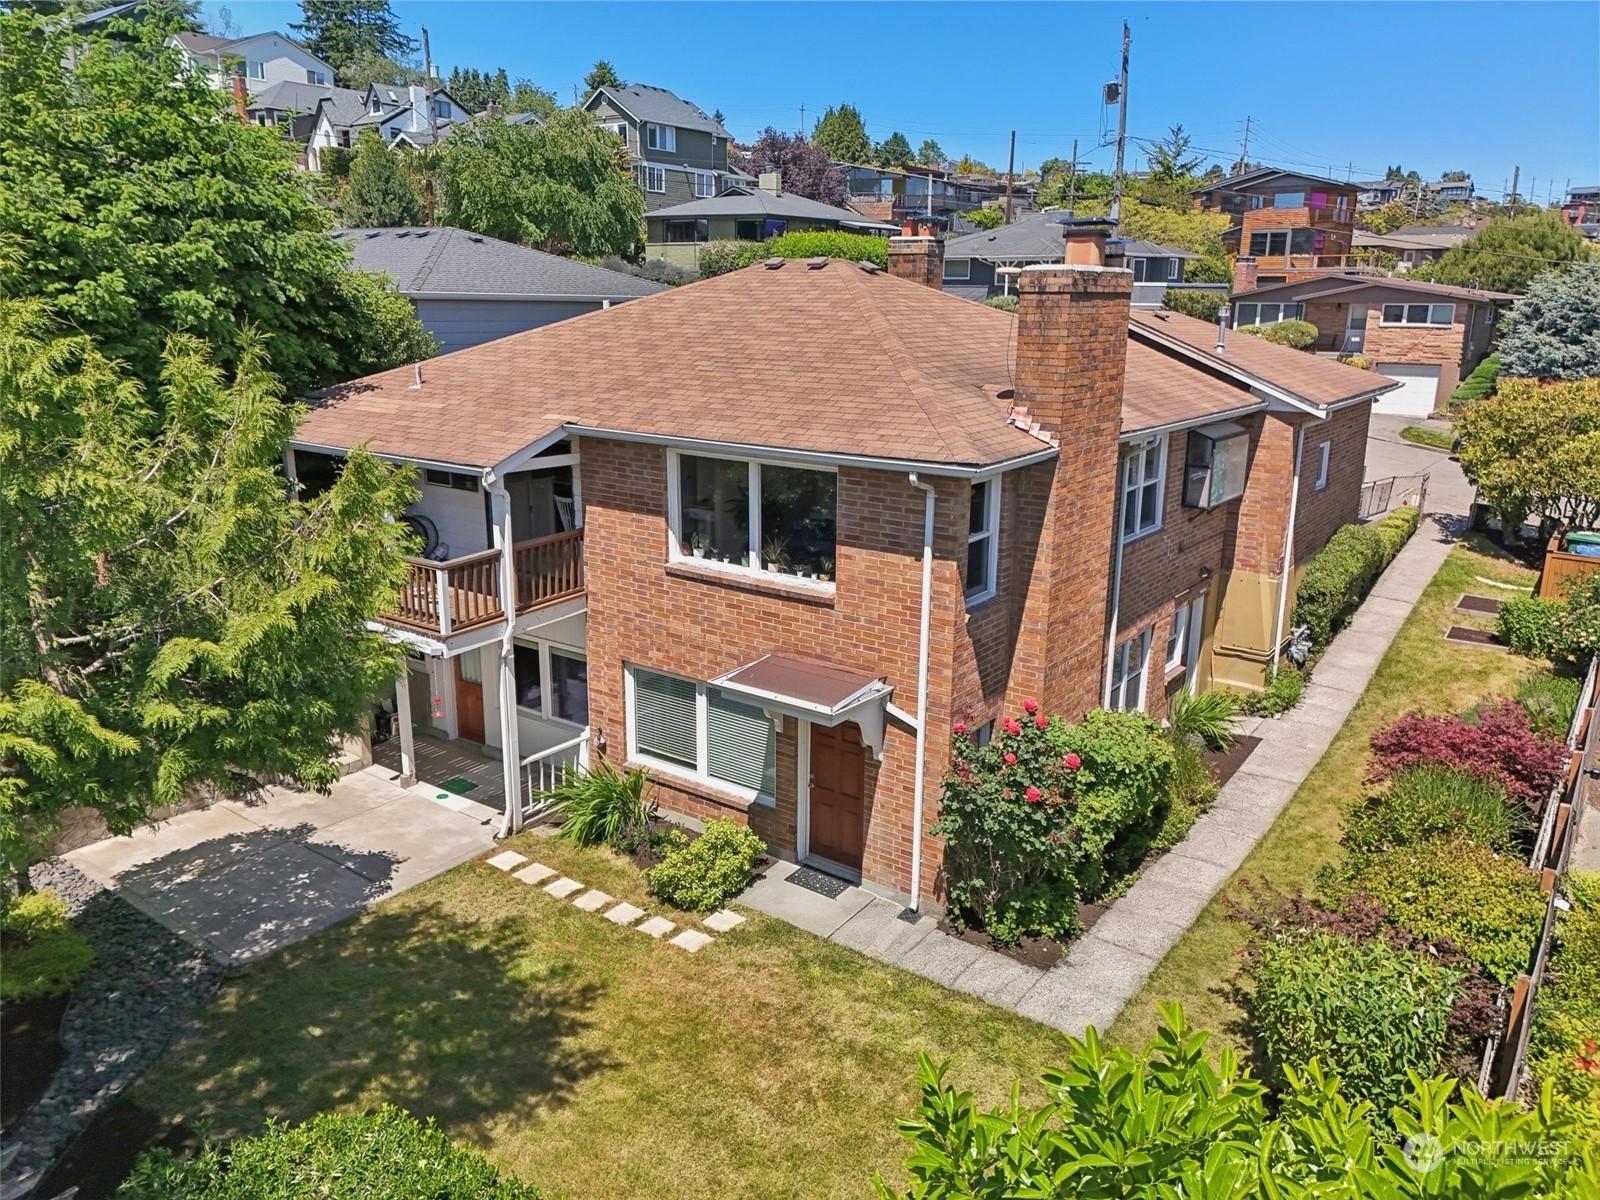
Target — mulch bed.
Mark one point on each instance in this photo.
(104, 1154)
(1039, 952)
(1224, 764)
(1485, 606)
(30, 1044)
(1472, 637)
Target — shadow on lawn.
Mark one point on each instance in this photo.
(468, 1022)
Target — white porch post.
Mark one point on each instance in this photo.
(402, 716)
(510, 739)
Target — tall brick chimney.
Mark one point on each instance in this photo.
(1071, 359)
(1244, 274)
(241, 99)
(918, 253)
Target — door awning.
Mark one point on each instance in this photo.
(815, 691)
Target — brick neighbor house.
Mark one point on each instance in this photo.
(769, 535)
(1285, 225)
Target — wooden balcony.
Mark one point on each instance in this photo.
(444, 598)
(1332, 263)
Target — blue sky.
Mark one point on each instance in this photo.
(1349, 87)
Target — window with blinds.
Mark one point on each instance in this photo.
(665, 724)
(741, 746)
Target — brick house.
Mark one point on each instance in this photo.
(1427, 337)
(769, 535)
(1285, 225)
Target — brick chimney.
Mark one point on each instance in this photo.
(241, 99)
(1244, 274)
(918, 253)
(1071, 359)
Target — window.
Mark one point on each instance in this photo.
(620, 129)
(983, 734)
(755, 515)
(1139, 270)
(1324, 451)
(1174, 267)
(661, 137)
(460, 480)
(983, 539)
(1127, 673)
(552, 682)
(1178, 638)
(255, 70)
(1289, 200)
(688, 231)
(655, 179)
(1265, 314)
(317, 78)
(1143, 467)
(375, 105)
(957, 270)
(1341, 208)
(441, 108)
(705, 184)
(703, 730)
(1269, 243)
(530, 679)
(747, 231)
(1214, 465)
(1419, 314)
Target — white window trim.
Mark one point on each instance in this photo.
(1179, 637)
(661, 137)
(990, 534)
(546, 691)
(671, 770)
(1256, 305)
(1430, 323)
(1174, 267)
(966, 270)
(650, 173)
(677, 553)
(1139, 643)
(255, 69)
(1324, 453)
(706, 180)
(1130, 449)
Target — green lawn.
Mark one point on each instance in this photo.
(1420, 671)
(1430, 435)
(589, 1059)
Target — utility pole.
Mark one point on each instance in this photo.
(427, 81)
(1122, 129)
(1516, 178)
(802, 121)
(1349, 170)
(1244, 150)
(1011, 171)
(1072, 178)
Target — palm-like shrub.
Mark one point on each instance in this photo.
(1206, 717)
(598, 804)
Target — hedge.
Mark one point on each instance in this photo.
(1203, 306)
(1527, 624)
(718, 258)
(1298, 334)
(1345, 569)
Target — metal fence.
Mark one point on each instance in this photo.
(1379, 496)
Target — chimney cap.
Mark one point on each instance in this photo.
(1091, 225)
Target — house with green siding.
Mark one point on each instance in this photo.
(678, 152)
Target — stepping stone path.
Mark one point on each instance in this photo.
(624, 914)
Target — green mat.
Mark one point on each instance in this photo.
(459, 785)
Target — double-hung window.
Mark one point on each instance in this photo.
(254, 69)
(983, 540)
(661, 137)
(552, 681)
(655, 179)
(1127, 673)
(1143, 472)
(705, 184)
(317, 78)
(1174, 267)
(1419, 314)
(696, 728)
(1324, 453)
(748, 515)
(1178, 638)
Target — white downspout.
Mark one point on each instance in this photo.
(922, 688)
(1288, 550)
(510, 741)
(1116, 590)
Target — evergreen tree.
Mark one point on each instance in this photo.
(368, 68)
(336, 31)
(379, 193)
(1553, 332)
(894, 151)
(842, 135)
(525, 97)
(930, 154)
(602, 74)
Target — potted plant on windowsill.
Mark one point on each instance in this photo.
(825, 570)
(772, 553)
(697, 545)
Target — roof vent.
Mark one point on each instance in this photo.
(772, 264)
(871, 268)
(422, 233)
(816, 264)
(473, 237)
(403, 233)
(336, 234)
(374, 233)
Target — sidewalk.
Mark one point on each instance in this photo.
(1108, 965)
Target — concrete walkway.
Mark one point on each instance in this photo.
(242, 880)
(1108, 965)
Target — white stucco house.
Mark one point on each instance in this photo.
(262, 59)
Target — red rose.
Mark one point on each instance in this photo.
(959, 727)
(1030, 706)
(1010, 757)
(1073, 762)
(1042, 722)
(1011, 726)
(1034, 795)
(1006, 793)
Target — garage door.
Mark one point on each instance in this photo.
(1415, 397)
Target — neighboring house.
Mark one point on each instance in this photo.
(1450, 191)
(1375, 193)
(1285, 225)
(982, 265)
(411, 117)
(745, 214)
(1415, 244)
(1082, 505)
(261, 60)
(678, 152)
(333, 123)
(1425, 336)
(469, 289)
(1582, 208)
(888, 194)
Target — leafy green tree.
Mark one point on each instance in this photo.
(843, 135)
(930, 154)
(527, 97)
(602, 74)
(380, 192)
(894, 151)
(1508, 253)
(171, 616)
(136, 207)
(564, 186)
(1534, 449)
(972, 166)
(1553, 332)
(1387, 219)
(1454, 177)
(986, 218)
(338, 30)
(368, 67)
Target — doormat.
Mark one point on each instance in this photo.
(816, 881)
(1472, 637)
(459, 784)
(1478, 604)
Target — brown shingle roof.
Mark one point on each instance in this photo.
(1354, 283)
(1318, 381)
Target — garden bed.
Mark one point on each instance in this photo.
(104, 1153)
(30, 1045)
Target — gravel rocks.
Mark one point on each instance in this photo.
(137, 996)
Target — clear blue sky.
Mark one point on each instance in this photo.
(1433, 86)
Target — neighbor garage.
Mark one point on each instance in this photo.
(1418, 394)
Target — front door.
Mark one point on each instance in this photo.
(469, 697)
(1355, 329)
(838, 787)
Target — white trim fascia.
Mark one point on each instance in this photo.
(341, 451)
(1135, 435)
(615, 299)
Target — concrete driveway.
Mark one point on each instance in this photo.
(243, 880)
(1389, 454)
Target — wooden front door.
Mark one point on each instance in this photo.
(838, 787)
(469, 697)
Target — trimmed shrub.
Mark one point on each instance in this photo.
(1359, 361)
(708, 872)
(718, 258)
(44, 956)
(599, 804)
(1339, 577)
(1367, 1011)
(1298, 334)
(1203, 306)
(1576, 624)
(334, 1156)
(1427, 802)
(1498, 744)
(1285, 685)
(1008, 304)
(656, 270)
(1564, 1050)
(1527, 624)
(1479, 384)
(1550, 700)
(1486, 905)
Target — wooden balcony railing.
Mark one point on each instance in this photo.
(449, 597)
(1316, 262)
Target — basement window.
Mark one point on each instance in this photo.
(1214, 468)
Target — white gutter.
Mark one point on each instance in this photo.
(1288, 548)
(1135, 435)
(922, 690)
(1116, 596)
(510, 743)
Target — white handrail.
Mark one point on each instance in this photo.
(531, 772)
(543, 754)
